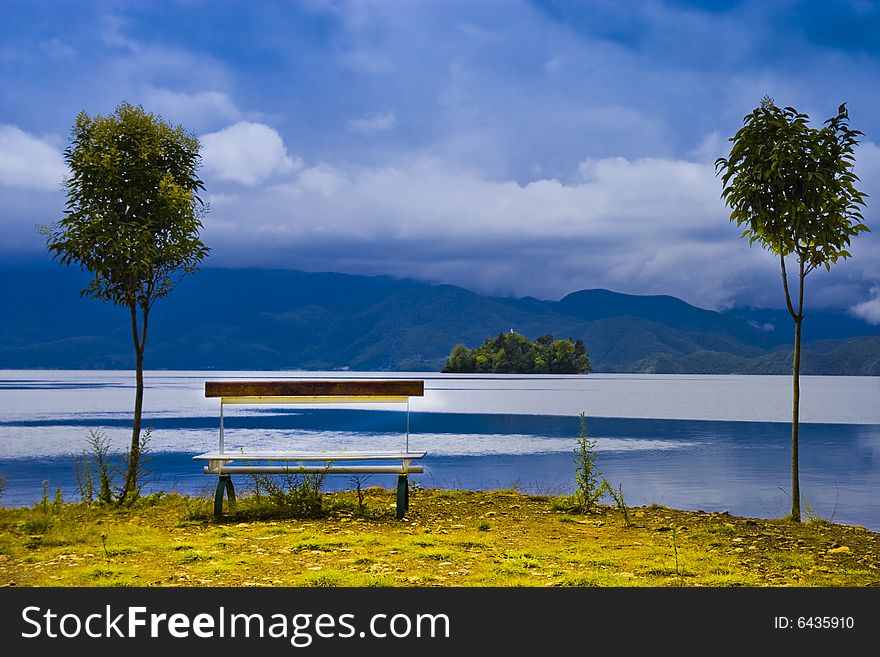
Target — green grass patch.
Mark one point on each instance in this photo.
(443, 541)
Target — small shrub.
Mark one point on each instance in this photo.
(196, 509)
(96, 457)
(85, 485)
(43, 504)
(46, 511)
(94, 467)
(675, 551)
(194, 557)
(58, 501)
(324, 580)
(358, 481)
(810, 513)
(617, 496)
(290, 495)
(37, 525)
(519, 560)
(590, 485)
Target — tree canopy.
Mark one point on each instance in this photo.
(512, 353)
(792, 187)
(133, 213)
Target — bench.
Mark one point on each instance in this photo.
(293, 391)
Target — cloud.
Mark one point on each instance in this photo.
(869, 310)
(246, 153)
(29, 162)
(711, 148)
(374, 123)
(194, 110)
(634, 225)
(639, 225)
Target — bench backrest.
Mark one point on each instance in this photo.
(366, 388)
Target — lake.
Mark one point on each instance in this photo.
(692, 442)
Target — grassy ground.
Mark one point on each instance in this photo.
(449, 538)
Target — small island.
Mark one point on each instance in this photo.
(512, 353)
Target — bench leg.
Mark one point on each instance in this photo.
(402, 495)
(224, 483)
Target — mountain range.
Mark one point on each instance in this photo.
(285, 319)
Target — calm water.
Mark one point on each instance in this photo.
(695, 442)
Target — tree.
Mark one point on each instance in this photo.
(132, 220)
(792, 188)
(460, 360)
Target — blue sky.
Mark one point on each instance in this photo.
(511, 147)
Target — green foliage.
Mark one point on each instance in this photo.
(510, 353)
(791, 187)
(96, 465)
(141, 471)
(590, 485)
(47, 512)
(617, 496)
(291, 495)
(43, 504)
(589, 482)
(358, 481)
(133, 213)
(675, 552)
(461, 359)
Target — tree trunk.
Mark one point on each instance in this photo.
(796, 400)
(130, 485)
(795, 414)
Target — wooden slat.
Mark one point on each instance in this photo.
(316, 388)
(307, 456)
(349, 399)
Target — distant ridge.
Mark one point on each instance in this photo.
(287, 319)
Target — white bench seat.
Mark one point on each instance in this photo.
(218, 462)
